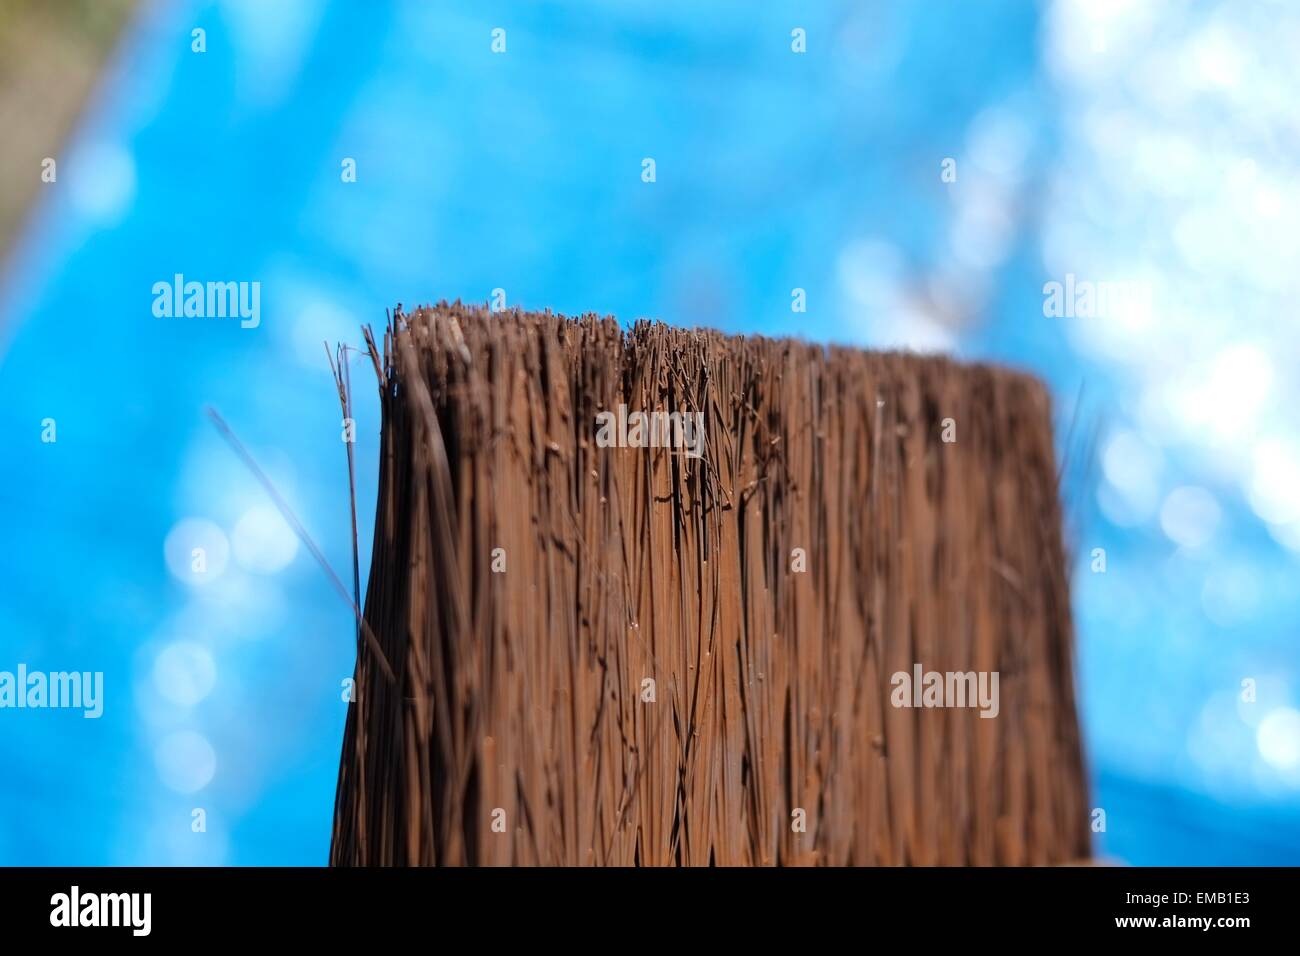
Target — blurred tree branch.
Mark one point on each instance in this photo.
(51, 52)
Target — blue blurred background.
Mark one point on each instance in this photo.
(1153, 144)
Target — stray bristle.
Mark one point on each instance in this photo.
(687, 654)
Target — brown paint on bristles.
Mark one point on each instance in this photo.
(517, 732)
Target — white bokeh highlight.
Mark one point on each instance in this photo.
(178, 549)
(185, 761)
(184, 673)
(262, 541)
